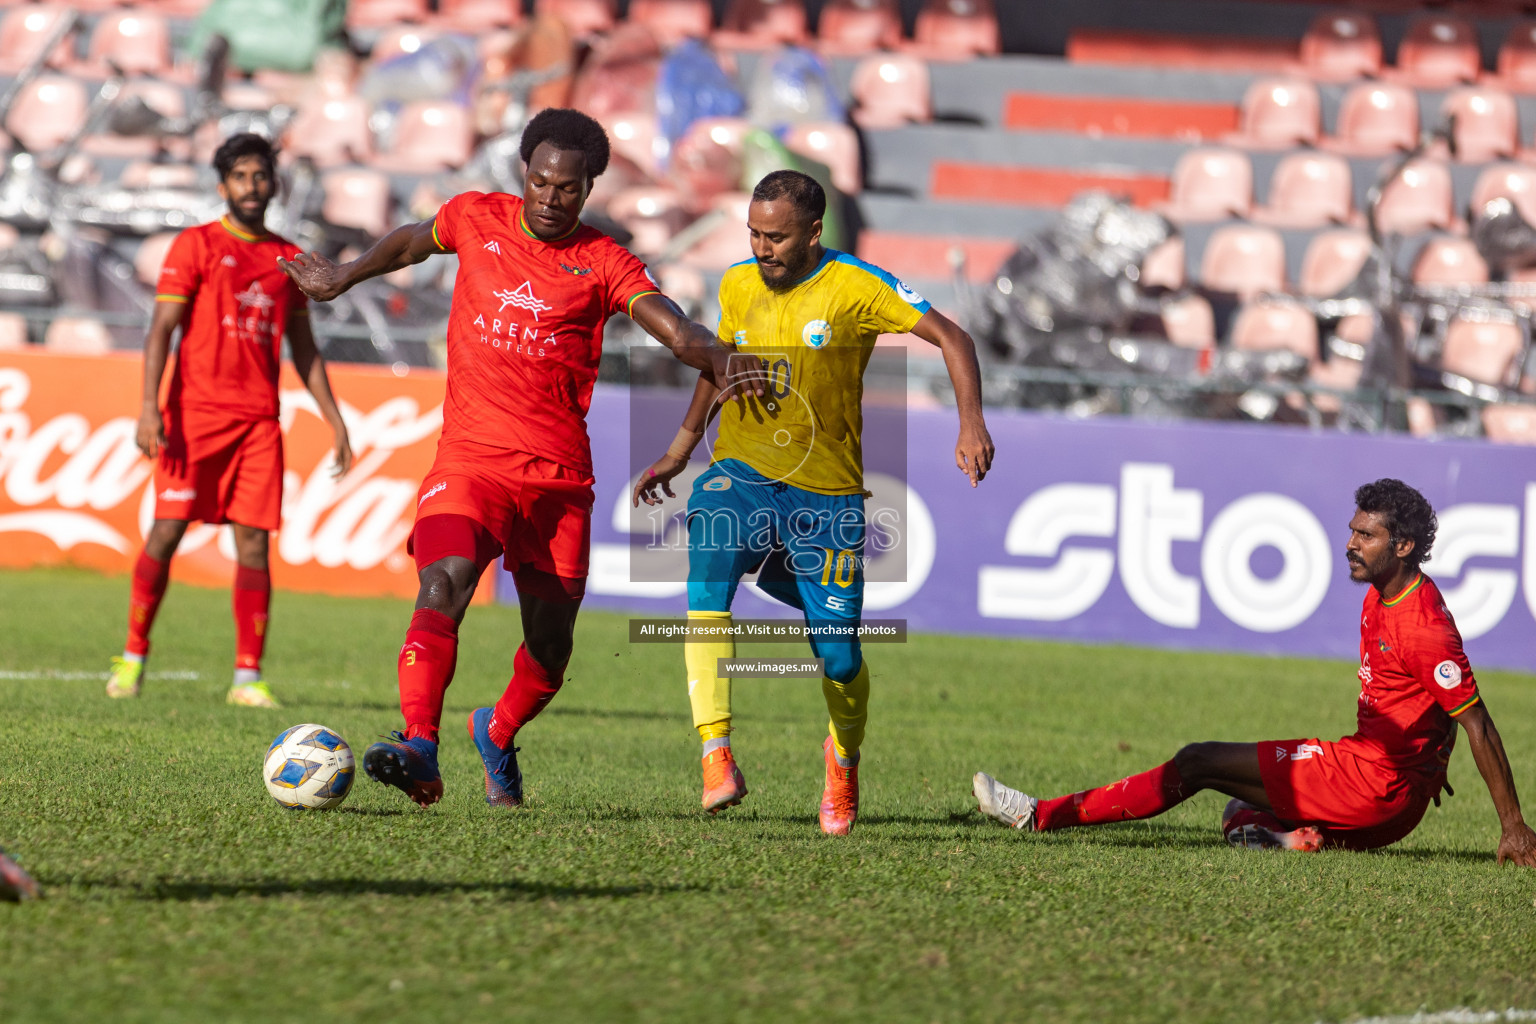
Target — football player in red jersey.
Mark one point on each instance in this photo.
(218, 445)
(513, 474)
(1367, 790)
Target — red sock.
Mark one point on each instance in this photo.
(1140, 796)
(149, 580)
(426, 665)
(252, 599)
(530, 689)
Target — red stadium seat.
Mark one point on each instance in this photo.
(1485, 351)
(1340, 46)
(1376, 119)
(399, 40)
(1512, 181)
(1517, 58)
(24, 31)
(384, 13)
(137, 42)
(1332, 261)
(1163, 267)
(1189, 322)
(1275, 325)
(1210, 184)
(1449, 261)
(707, 160)
(356, 198)
(1510, 424)
(1309, 190)
(651, 215)
(1438, 51)
(727, 241)
(758, 24)
(163, 97)
(49, 110)
(890, 90)
(430, 136)
(637, 137)
(582, 17)
(857, 27)
(834, 144)
(1487, 125)
(1243, 260)
(147, 174)
(673, 20)
(78, 336)
(475, 16)
(957, 30)
(331, 132)
(1279, 113)
(1421, 198)
(13, 332)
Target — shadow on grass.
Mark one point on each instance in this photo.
(184, 891)
(625, 713)
(372, 812)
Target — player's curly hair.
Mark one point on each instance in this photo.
(242, 145)
(564, 128)
(1405, 513)
(799, 188)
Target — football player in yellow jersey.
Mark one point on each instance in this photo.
(785, 490)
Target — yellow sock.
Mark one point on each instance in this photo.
(848, 704)
(708, 691)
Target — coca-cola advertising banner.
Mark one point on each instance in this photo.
(75, 489)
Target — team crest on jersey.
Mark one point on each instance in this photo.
(719, 483)
(1448, 674)
(1383, 645)
(523, 298)
(254, 297)
(816, 334)
(578, 271)
(907, 294)
(227, 261)
(493, 246)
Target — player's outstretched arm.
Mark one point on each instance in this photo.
(657, 480)
(323, 280)
(974, 449)
(311, 369)
(739, 376)
(150, 436)
(1517, 842)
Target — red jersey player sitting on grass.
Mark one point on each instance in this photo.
(513, 473)
(1367, 790)
(218, 443)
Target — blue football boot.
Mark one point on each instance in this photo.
(408, 765)
(503, 779)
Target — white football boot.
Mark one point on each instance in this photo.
(1009, 806)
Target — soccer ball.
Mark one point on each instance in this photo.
(309, 766)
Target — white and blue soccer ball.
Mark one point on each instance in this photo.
(309, 766)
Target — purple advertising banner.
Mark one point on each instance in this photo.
(1181, 535)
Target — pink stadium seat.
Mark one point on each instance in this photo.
(1279, 113)
(184, 9)
(398, 40)
(1309, 190)
(707, 160)
(383, 13)
(476, 16)
(1339, 373)
(1421, 418)
(582, 17)
(1189, 322)
(890, 90)
(1163, 267)
(1275, 324)
(146, 174)
(356, 198)
(149, 257)
(1510, 424)
(1244, 260)
(859, 26)
(1482, 350)
(78, 336)
(957, 29)
(834, 144)
(635, 136)
(1517, 58)
(1210, 184)
(1340, 46)
(1419, 199)
(1487, 123)
(727, 241)
(24, 31)
(1333, 259)
(759, 24)
(673, 20)
(1449, 261)
(13, 332)
(1438, 51)
(331, 132)
(169, 100)
(1512, 181)
(138, 42)
(49, 109)
(652, 215)
(430, 136)
(1375, 119)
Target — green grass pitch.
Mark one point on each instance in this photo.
(177, 890)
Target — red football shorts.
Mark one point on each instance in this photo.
(1356, 802)
(538, 512)
(220, 471)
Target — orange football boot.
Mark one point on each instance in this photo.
(724, 785)
(840, 797)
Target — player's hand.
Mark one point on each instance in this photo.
(316, 276)
(343, 456)
(656, 481)
(974, 451)
(1518, 845)
(739, 375)
(150, 436)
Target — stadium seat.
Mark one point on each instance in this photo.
(673, 20)
(398, 40)
(185, 10)
(957, 30)
(356, 198)
(1309, 190)
(163, 97)
(1421, 418)
(1438, 51)
(1510, 424)
(1189, 322)
(151, 174)
(1421, 198)
(48, 110)
(1485, 351)
(856, 27)
(332, 132)
(384, 13)
(1340, 46)
(834, 144)
(1517, 58)
(1279, 113)
(1513, 181)
(23, 32)
(1376, 119)
(637, 137)
(1449, 261)
(476, 16)
(1337, 372)
(13, 332)
(1163, 267)
(1332, 261)
(1487, 125)
(890, 90)
(726, 241)
(77, 336)
(430, 136)
(707, 160)
(1271, 325)
(149, 257)
(652, 216)
(1210, 184)
(1243, 260)
(582, 17)
(137, 42)
(759, 24)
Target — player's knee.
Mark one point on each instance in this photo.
(551, 651)
(163, 538)
(1194, 761)
(841, 662)
(251, 547)
(444, 590)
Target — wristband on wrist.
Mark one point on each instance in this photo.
(684, 443)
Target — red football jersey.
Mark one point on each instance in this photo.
(525, 333)
(1414, 677)
(238, 301)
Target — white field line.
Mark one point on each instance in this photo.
(59, 674)
(1460, 1015)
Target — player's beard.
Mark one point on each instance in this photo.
(789, 274)
(253, 220)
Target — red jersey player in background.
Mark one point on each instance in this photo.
(217, 443)
(1367, 790)
(513, 473)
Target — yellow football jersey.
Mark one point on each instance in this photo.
(817, 338)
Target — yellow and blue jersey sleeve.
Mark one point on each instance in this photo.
(888, 305)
